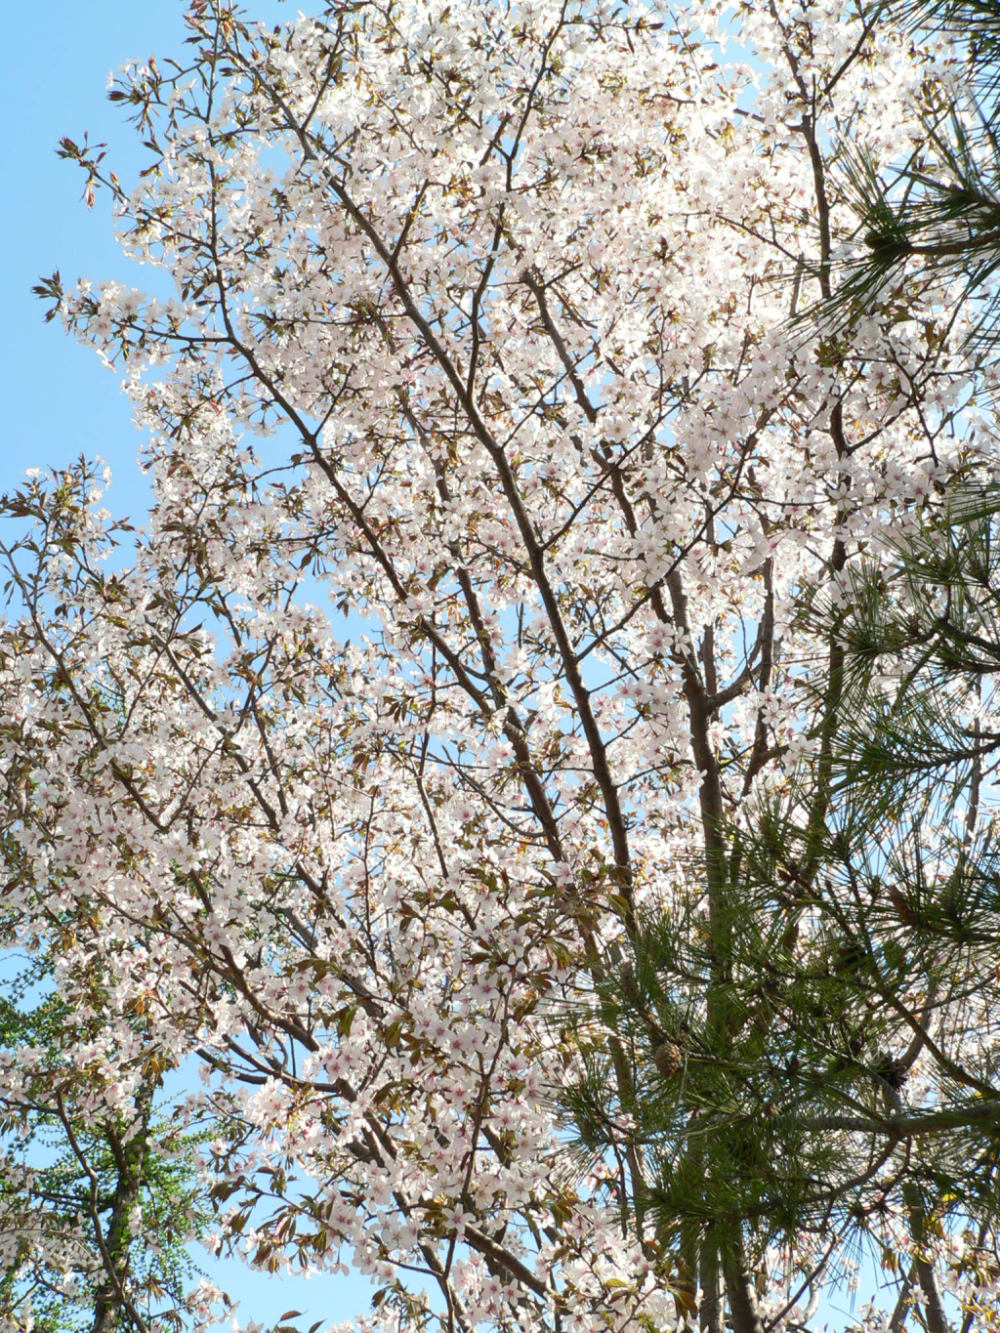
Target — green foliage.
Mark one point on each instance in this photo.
(922, 647)
(787, 1074)
(931, 225)
(70, 1176)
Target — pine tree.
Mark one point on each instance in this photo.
(932, 223)
(790, 1076)
(97, 1194)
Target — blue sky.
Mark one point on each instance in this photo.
(56, 400)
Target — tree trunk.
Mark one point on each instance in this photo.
(934, 1315)
(118, 1238)
(712, 1312)
(741, 1291)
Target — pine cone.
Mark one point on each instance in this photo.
(668, 1059)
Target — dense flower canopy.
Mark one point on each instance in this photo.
(489, 475)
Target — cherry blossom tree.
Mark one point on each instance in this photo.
(463, 629)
